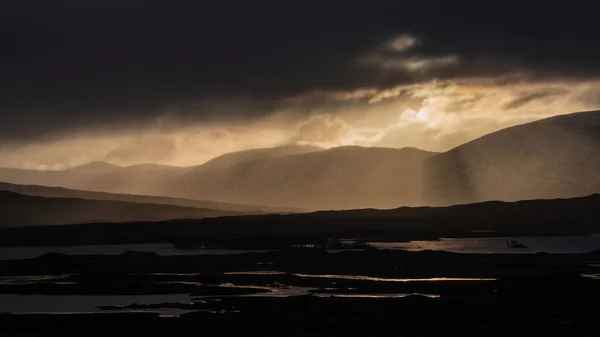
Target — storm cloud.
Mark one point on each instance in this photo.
(166, 76)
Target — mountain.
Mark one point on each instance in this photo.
(60, 192)
(93, 168)
(18, 210)
(97, 176)
(343, 177)
(240, 157)
(558, 157)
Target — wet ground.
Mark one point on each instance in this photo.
(301, 292)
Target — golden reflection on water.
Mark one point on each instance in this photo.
(384, 279)
(592, 276)
(260, 272)
(373, 295)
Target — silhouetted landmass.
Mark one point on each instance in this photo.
(557, 157)
(577, 216)
(60, 192)
(25, 210)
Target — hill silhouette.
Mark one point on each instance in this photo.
(25, 210)
(575, 216)
(61, 192)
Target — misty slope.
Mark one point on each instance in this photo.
(240, 157)
(24, 210)
(557, 157)
(60, 192)
(343, 177)
(96, 176)
(551, 158)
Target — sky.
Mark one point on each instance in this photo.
(177, 83)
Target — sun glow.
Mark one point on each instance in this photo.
(422, 115)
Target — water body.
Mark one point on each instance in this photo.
(386, 279)
(552, 245)
(78, 304)
(71, 304)
(33, 279)
(256, 272)
(392, 295)
(81, 304)
(592, 276)
(358, 277)
(164, 249)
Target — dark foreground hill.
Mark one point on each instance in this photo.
(60, 192)
(25, 210)
(577, 216)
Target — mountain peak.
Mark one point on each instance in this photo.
(585, 118)
(239, 157)
(95, 166)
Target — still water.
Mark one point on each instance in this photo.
(70, 304)
(80, 304)
(552, 245)
(164, 249)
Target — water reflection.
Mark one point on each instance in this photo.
(171, 305)
(393, 295)
(552, 245)
(33, 279)
(256, 272)
(68, 304)
(592, 276)
(163, 249)
(384, 279)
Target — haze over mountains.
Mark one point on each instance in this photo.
(550, 158)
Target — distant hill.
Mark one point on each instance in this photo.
(557, 157)
(24, 210)
(342, 177)
(240, 157)
(94, 167)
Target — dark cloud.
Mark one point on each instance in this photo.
(73, 65)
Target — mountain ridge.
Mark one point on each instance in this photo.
(550, 158)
